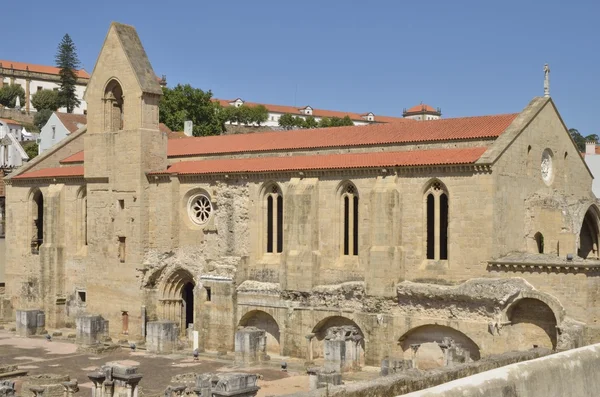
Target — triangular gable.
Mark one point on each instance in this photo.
(131, 46)
(519, 124)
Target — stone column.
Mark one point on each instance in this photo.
(27, 95)
(143, 316)
(70, 387)
(97, 378)
(108, 388)
(309, 347)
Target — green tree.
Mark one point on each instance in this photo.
(41, 118)
(45, 99)
(324, 122)
(184, 102)
(244, 114)
(580, 140)
(310, 122)
(68, 62)
(9, 93)
(287, 121)
(31, 148)
(259, 114)
(347, 121)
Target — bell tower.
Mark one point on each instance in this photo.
(122, 144)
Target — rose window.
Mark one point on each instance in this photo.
(200, 209)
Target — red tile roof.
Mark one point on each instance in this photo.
(9, 121)
(421, 108)
(374, 134)
(58, 172)
(39, 68)
(315, 112)
(380, 134)
(71, 121)
(329, 161)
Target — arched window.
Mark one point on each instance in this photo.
(589, 235)
(349, 199)
(539, 242)
(436, 206)
(82, 217)
(37, 221)
(113, 107)
(274, 219)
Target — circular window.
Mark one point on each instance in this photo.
(546, 167)
(200, 209)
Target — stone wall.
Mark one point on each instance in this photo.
(17, 115)
(573, 373)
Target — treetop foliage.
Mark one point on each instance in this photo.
(68, 62)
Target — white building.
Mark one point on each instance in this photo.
(58, 127)
(34, 78)
(592, 159)
(12, 154)
(422, 112)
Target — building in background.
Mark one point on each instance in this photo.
(12, 154)
(34, 78)
(422, 112)
(592, 159)
(58, 127)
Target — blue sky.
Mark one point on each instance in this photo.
(469, 57)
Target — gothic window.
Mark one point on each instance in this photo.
(113, 107)
(200, 209)
(436, 206)
(274, 219)
(349, 199)
(82, 217)
(37, 221)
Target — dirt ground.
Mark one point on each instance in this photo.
(39, 356)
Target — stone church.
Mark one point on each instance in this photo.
(482, 229)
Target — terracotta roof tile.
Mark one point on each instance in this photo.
(39, 68)
(329, 161)
(421, 108)
(315, 112)
(9, 121)
(72, 121)
(374, 134)
(74, 158)
(58, 172)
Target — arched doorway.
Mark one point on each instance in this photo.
(532, 323)
(588, 235)
(177, 299)
(424, 343)
(113, 106)
(338, 328)
(266, 322)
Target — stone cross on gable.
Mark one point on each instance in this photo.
(546, 80)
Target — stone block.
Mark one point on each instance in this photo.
(30, 322)
(48, 384)
(7, 388)
(162, 336)
(250, 346)
(227, 384)
(327, 376)
(91, 330)
(342, 348)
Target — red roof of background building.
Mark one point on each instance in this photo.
(39, 68)
(421, 108)
(315, 112)
(9, 121)
(328, 161)
(373, 134)
(72, 121)
(57, 172)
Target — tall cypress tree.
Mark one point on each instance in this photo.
(67, 61)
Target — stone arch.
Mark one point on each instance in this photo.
(349, 218)
(177, 298)
(36, 219)
(114, 118)
(430, 336)
(266, 322)
(271, 199)
(532, 322)
(436, 200)
(589, 234)
(331, 326)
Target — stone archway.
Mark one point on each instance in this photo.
(427, 345)
(177, 299)
(532, 323)
(589, 234)
(338, 328)
(266, 322)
